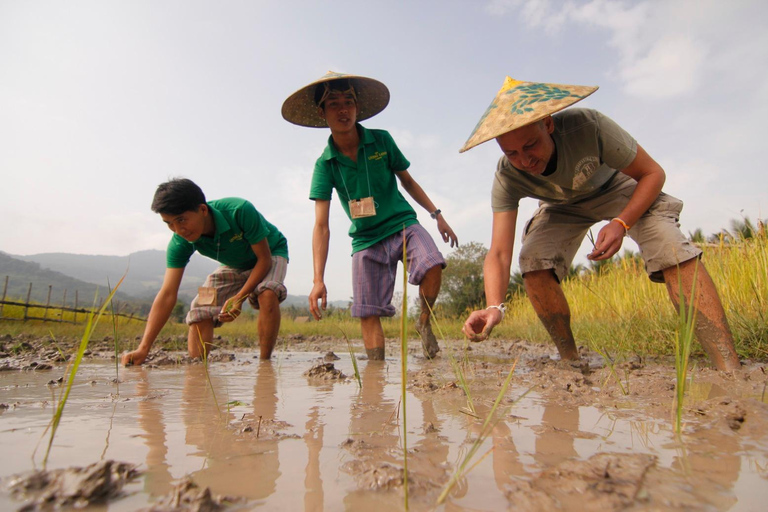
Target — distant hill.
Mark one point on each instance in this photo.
(145, 270)
(22, 273)
(145, 274)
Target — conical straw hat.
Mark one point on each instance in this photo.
(518, 104)
(300, 107)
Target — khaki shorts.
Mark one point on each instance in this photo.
(555, 232)
(228, 281)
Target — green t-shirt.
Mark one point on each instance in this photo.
(378, 159)
(238, 226)
(591, 148)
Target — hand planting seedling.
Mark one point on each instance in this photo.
(231, 309)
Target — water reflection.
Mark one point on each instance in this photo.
(313, 481)
(158, 478)
(304, 466)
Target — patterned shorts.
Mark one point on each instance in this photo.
(374, 270)
(228, 281)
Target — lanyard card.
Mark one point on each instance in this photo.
(359, 208)
(206, 296)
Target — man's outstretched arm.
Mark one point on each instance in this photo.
(495, 275)
(162, 307)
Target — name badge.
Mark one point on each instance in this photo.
(206, 296)
(359, 208)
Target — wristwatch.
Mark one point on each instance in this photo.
(435, 213)
(501, 307)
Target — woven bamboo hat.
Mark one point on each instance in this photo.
(300, 107)
(518, 104)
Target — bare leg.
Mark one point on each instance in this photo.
(428, 290)
(551, 306)
(711, 328)
(268, 323)
(200, 333)
(373, 337)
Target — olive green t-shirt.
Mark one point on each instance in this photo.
(378, 159)
(238, 225)
(591, 148)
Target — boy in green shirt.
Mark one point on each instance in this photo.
(254, 258)
(361, 165)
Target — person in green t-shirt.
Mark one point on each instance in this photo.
(363, 166)
(584, 168)
(254, 258)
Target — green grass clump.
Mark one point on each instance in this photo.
(93, 320)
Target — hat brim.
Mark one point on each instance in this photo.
(519, 104)
(300, 107)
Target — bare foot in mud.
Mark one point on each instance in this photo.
(428, 340)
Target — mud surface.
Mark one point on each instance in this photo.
(298, 433)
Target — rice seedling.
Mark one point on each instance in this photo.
(485, 430)
(114, 337)
(353, 358)
(404, 369)
(591, 238)
(234, 403)
(455, 365)
(93, 320)
(683, 342)
(611, 363)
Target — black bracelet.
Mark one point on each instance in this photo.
(435, 213)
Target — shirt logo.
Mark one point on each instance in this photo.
(585, 168)
(238, 236)
(378, 155)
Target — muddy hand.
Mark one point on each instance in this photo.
(136, 357)
(231, 310)
(479, 325)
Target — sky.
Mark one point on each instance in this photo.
(101, 101)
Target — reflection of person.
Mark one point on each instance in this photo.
(361, 165)
(584, 168)
(253, 255)
(313, 479)
(554, 444)
(150, 418)
(232, 468)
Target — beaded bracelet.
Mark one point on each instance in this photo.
(623, 224)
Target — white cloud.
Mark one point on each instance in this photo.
(672, 67)
(664, 48)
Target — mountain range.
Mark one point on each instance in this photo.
(144, 271)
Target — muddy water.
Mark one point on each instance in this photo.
(279, 440)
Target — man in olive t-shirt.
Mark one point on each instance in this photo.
(584, 168)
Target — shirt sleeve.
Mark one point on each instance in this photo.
(254, 227)
(397, 161)
(617, 147)
(504, 196)
(322, 181)
(178, 252)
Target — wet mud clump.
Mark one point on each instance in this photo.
(324, 371)
(604, 482)
(78, 487)
(187, 496)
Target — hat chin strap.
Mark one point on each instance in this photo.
(328, 90)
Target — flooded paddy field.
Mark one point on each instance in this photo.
(275, 436)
